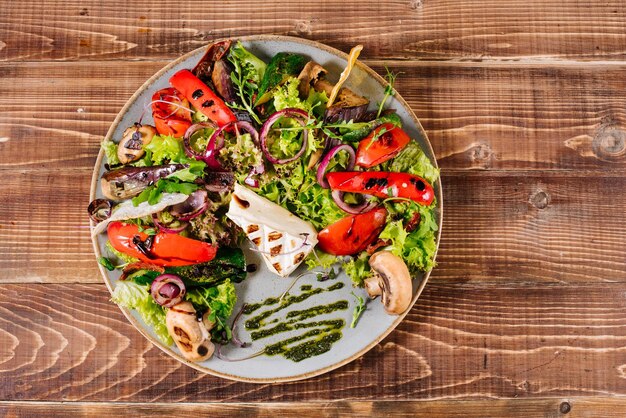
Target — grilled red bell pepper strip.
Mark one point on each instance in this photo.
(161, 249)
(352, 234)
(383, 184)
(170, 114)
(202, 98)
(382, 144)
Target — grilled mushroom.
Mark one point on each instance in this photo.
(190, 335)
(392, 280)
(130, 148)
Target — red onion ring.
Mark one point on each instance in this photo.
(297, 114)
(195, 205)
(167, 229)
(167, 290)
(366, 206)
(209, 156)
(100, 210)
(321, 170)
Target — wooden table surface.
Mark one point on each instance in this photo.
(524, 103)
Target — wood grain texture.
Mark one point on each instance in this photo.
(550, 408)
(548, 227)
(460, 340)
(481, 117)
(410, 29)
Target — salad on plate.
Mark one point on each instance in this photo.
(273, 156)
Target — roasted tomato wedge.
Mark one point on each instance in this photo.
(384, 143)
(161, 249)
(353, 233)
(383, 184)
(202, 98)
(170, 112)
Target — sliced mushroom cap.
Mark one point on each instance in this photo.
(190, 335)
(130, 148)
(392, 280)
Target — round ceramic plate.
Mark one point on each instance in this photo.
(373, 326)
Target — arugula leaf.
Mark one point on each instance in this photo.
(358, 310)
(195, 170)
(389, 90)
(246, 76)
(153, 193)
(131, 295)
(220, 301)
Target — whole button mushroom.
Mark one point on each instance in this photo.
(130, 148)
(190, 335)
(392, 280)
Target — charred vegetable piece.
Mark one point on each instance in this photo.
(128, 182)
(362, 132)
(170, 111)
(282, 66)
(161, 249)
(353, 233)
(384, 143)
(229, 263)
(202, 97)
(131, 145)
(383, 184)
(215, 52)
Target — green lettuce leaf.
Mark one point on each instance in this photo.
(135, 296)
(110, 151)
(357, 269)
(153, 193)
(413, 160)
(220, 301)
(165, 149)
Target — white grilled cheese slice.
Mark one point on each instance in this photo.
(283, 239)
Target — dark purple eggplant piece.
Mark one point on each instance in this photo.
(128, 182)
(217, 181)
(337, 113)
(222, 81)
(215, 52)
(310, 74)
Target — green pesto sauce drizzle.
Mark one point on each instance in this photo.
(319, 339)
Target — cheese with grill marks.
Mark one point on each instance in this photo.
(283, 239)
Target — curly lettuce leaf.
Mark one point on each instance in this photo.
(413, 160)
(287, 96)
(110, 151)
(135, 296)
(357, 269)
(253, 68)
(220, 301)
(165, 149)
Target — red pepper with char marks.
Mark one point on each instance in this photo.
(383, 184)
(352, 234)
(202, 98)
(161, 249)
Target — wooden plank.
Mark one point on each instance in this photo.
(415, 29)
(460, 340)
(483, 117)
(571, 407)
(544, 226)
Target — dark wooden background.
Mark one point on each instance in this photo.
(524, 102)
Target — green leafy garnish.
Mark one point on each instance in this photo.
(247, 74)
(389, 90)
(110, 151)
(220, 301)
(358, 310)
(357, 269)
(135, 296)
(153, 194)
(165, 149)
(106, 263)
(280, 68)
